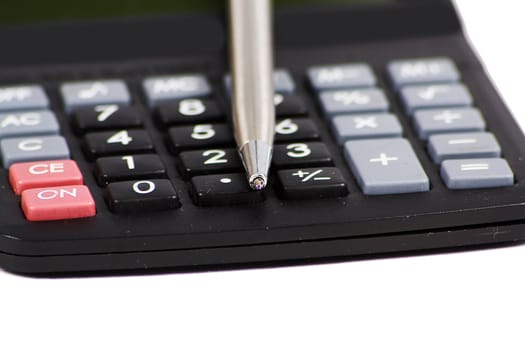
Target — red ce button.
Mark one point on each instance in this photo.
(23, 176)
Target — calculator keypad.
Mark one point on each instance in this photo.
(186, 110)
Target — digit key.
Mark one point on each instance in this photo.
(224, 189)
(141, 196)
(288, 105)
(210, 161)
(200, 136)
(189, 111)
(311, 183)
(295, 155)
(103, 117)
(117, 142)
(295, 129)
(128, 167)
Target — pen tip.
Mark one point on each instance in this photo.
(258, 183)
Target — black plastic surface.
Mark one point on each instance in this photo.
(276, 229)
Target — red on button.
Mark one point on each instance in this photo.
(57, 203)
(23, 176)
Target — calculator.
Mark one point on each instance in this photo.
(117, 152)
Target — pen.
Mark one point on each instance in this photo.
(253, 109)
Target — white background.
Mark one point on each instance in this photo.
(473, 300)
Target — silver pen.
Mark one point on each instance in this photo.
(253, 109)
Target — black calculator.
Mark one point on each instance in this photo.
(117, 152)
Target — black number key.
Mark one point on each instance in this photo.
(295, 129)
(200, 136)
(102, 117)
(117, 142)
(288, 105)
(128, 167)
(311, 183)
(189, 111)
(301, 154)
(224, 189)
(141, 196)
(210, 161)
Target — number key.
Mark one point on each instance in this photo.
(189, 111)
(295, 129)
(209, 161)
(117, 142)
(142, 196)
(301, 154)
(200, 136)
(128, 167)
(111, 116)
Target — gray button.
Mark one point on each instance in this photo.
(28, 123)
(28, 149)
(435, 96)
(365, 126)
(22, 97)
(339, 76)
(476, 173)
(423, 71)
(463, 146)
(439, 121)
(90, 93)
(175, 87)
(282, 82)
(353, 101)
(386, 166)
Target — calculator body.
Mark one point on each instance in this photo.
(273, 230)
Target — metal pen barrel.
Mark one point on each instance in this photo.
(252, 85)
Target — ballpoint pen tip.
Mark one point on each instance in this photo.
(258, 183)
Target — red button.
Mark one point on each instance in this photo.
(23, 176)
(57, 203)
